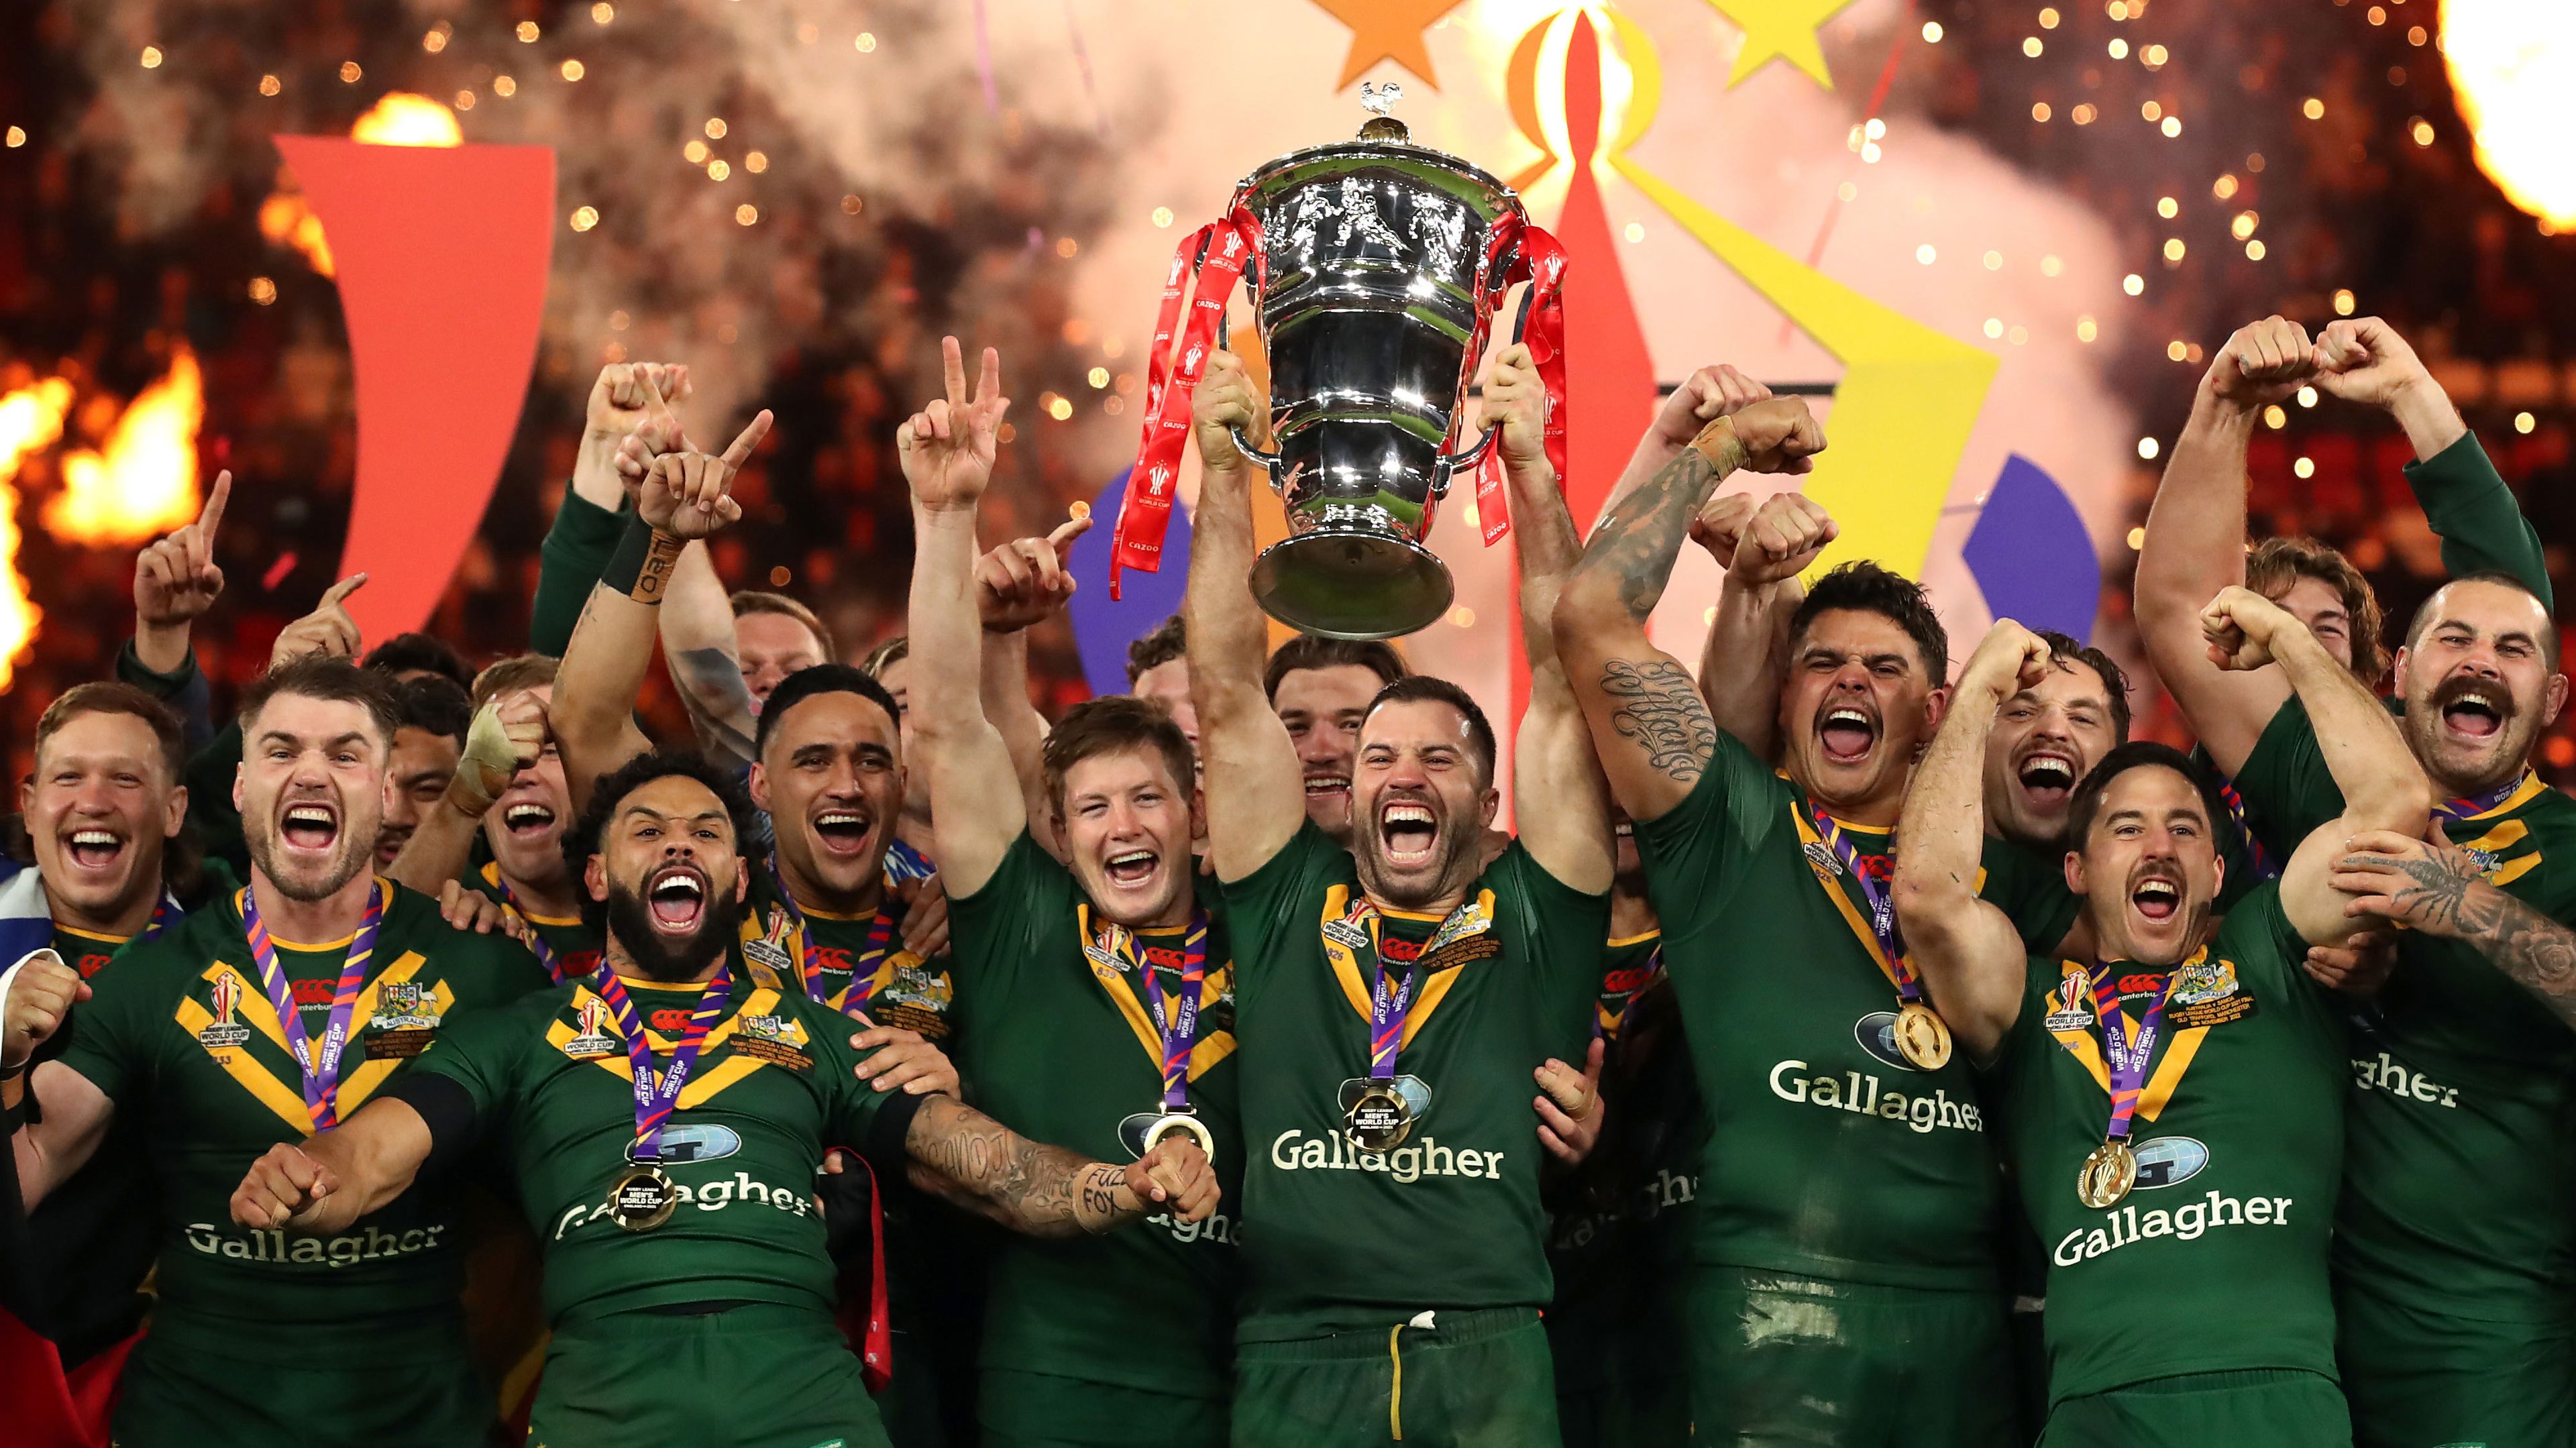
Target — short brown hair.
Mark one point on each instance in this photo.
(1431, 689)
(1314, 651)
(752, 600)
(2063, 649)
(513, 675)
(1170, 640)
(319, 676)
(885, 656)
(1114, 724)
(2275, 565)
(118, 698)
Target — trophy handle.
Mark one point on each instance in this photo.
(1455, 463)
(1269, 460)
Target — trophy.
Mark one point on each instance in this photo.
(1376, 267)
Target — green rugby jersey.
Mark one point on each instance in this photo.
(2216, 1260)
(1335, 1238)
(180, 1034)
(1829, 1155)
(94, 1235)
(574, 945)
(1619, 1249)
(1065, 1052)
(903, 990)
(2460, 1075)
(552, 1088)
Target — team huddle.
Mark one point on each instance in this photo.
(1836, 1051)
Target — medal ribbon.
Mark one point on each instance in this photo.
(1218, 253)
(656, 1098)
(863, 972)
(1882, 907)
(1540, 261)
(1177, 1029)
(2126, 1047)
(536, 943)
(2265, 867)
(2468, 807)
(321, 1065)
(1388, 1008)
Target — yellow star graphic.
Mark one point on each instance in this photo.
(1390, 30)
(1785, 29)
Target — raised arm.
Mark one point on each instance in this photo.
(696, 627)
(1561, 806)
(1019, 585)
(1256, 798)
(947, 449)
(590, 519)
(508, 735)
(324, 1184)
(175, 582)
(1745, 661)
(1045, 1191)
(36, 994)
(1968, 951)
(1648, 722)
(2384, 789)
(2362, 359)
(2195, 537)
(681, 496)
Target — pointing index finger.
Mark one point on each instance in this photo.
(339, 591)
(1061, 540)
(211, 516)
(736, 455)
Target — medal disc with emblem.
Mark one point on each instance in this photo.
(1922, 1037)
(1380, 1119)
(643, 1199)
(2106, 1176)
(1180, 1123)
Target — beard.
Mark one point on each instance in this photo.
(348, 856)
(660, 957)
(1413, 892)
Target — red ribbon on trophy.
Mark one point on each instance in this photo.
(1540, 261)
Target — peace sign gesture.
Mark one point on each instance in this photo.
(176, 580)
(947, 447)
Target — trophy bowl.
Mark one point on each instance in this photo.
(1386, 261)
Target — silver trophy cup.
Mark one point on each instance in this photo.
(1381, 276)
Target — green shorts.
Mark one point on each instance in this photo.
(1779, 1361)
(1041, 1410)
(2421, 1379)
(1640, 1412)
(909, 1405)
(757, 1376)
(1480, 1379)
(191, 1384)
(2262, 1408)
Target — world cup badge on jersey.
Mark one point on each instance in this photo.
(770, 950)
(643, 1199)
(1379, 1115)
(224, 1033)
(2070, 1005)
(593, 1039)
(2204, 979)
(1820, 858)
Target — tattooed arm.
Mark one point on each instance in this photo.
(1649, 725)
(697, 637)
(2437, 889)
(1045, 1191)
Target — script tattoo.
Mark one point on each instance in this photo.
(982, 1165)
(1656, 705)
(1638, 542)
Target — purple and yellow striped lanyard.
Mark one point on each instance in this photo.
(863, 972)
(1882, 907)
(321, 1065)
(536, 943)
(2127, 1055)
(1177, 1029)
(657, 1097)
(2470, 806)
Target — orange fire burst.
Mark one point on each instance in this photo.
(145, 482)
(399, 119)
(30, 419)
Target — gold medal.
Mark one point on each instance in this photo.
(1180, 1123)
(1922, 1037)
(1380, 1119)
(643, 1199)
(2107, 1175)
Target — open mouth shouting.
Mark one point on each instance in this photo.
(1408, 833)
(2047, 778)
(311, 827)
(1847, 733)
(676, 898)
(1327, 786)
(92, 848)
(2157, 897)
(1132, 869)
(527, 821)
(842, 832)
(2474, 710)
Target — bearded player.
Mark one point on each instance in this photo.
(664, 1120)
(1393, 997)
(2175, 1100)
(257, 1338)
(2452, 1305)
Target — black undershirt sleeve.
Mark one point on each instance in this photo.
(884, 1147)
(445, 1106)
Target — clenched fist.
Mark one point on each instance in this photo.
(1223, 402)
(2261, 364)
(1782, 537)
(1178, 1176)
(1778, 435)
(40, 995)
(284, 1188)
(2241, 626)
(2009, 659)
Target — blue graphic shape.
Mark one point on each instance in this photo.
(1103, 627)
(2031, 556)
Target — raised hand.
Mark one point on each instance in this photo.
(176, 580)
(1516, 402)
(1025, 580)
(40, 995)
(1782, 537)
(2240, 625)
(508, 735)
(688, 495)
(2263, 363)
(2009, 659)
(623, 393)
(284, 1188)
(1223, 402)
(1705, 396)
(1719, 528)
(327, 630)
(1175, 1175)
(2362, 359)
(948, 447)
(1778, 434)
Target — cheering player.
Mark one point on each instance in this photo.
(2175, 1102)
(664, 1120)
(265, 1017)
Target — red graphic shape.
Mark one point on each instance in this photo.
(1610, 378)
(442, 254)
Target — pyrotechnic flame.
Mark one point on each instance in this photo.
(399, 119)
(2513, 66)
(145, 482)
(30, 419)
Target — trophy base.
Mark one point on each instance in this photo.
(1352, 585)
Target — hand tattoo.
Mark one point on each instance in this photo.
(1658, 707)
(2534, 951)
(2441, 881)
